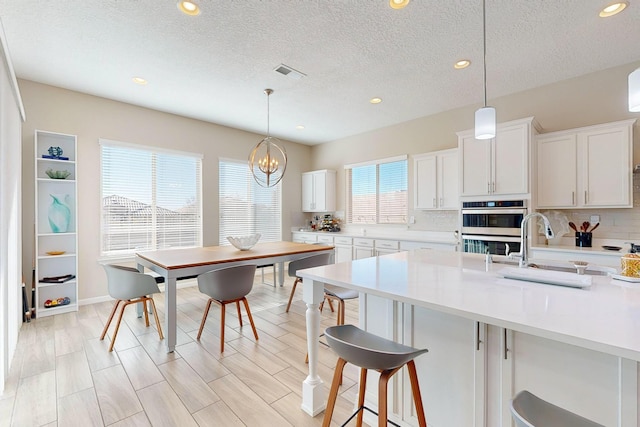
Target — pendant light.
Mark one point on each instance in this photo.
(634, 91)
(268, 160)
(486, 116)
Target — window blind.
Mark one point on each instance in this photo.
(246, 207)
(377, 192)
(151, 198)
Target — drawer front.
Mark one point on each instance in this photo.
(325, 239)
(366, 243)
(343, 240)
(305, 237)
(387, 244)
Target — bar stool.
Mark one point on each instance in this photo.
(369, 351)
(528, 410)
(332, 292)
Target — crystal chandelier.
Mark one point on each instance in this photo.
(268, 160)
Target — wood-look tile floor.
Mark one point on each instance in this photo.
(63, 375)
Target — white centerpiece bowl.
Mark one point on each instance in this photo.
(244, 243)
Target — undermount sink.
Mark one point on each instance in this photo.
(569, 267)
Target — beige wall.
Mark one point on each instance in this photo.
(90, 118)
(591, 99)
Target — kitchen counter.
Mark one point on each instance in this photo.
(441, 237)
(566, 339)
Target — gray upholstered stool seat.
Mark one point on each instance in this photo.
(340, 293)
(299, 264)
(369, 351)
(528, 410)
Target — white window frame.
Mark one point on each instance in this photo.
(154, 151)
(348, 186)
(274, 233)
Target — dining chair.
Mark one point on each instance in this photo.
(300, 264)
(225, 286)
(128, 286)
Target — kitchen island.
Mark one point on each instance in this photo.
(489, 337)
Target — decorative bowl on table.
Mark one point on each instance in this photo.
(54, 174)
(244, 243)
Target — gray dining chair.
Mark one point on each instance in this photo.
(300, 264)
(528, 410)
(128, 286)
(225, 286)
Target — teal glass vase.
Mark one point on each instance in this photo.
(59, 213)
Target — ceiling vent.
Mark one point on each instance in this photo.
(285, 70)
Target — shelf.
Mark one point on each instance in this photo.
(67, 162)
(68, 233)
(44, 312)
(48, 285)
(71, 181)
(65, 255)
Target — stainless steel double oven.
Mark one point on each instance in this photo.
(492, 226)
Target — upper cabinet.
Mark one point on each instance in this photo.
(436, 180)
(498, 166)
(586, 167)
(319, 191)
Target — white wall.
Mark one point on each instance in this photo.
(11, 115)
(590, 99)
(90, 118)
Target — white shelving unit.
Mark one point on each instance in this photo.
(49, 240)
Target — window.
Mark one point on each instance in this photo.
(151, 198)
(246, 207)
(377, 192)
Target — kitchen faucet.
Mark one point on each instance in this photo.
(524, 244)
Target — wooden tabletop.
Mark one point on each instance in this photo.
(171, 259)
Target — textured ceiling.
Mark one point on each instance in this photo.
(214, 66)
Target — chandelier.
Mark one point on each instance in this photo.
(268, 160)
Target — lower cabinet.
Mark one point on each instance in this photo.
(343, 249)
(473, 370)
(362, 248)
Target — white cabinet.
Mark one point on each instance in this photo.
(343, 249)
(498, 166)
(583, 381)
(436, 180)
(305, 237)
(383, 247)
(56, 238)
(586, 167)
(319, 191)
(362, 248)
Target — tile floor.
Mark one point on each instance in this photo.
(63, 375)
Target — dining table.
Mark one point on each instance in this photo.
(173, 264)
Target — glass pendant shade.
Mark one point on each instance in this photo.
(634, 91)
(268, 159)
(485, 123)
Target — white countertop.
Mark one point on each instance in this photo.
(604, 317)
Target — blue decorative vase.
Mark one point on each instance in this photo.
(59, 213)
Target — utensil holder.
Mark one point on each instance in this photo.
(583, 239)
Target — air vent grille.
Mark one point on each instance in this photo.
(285, 70)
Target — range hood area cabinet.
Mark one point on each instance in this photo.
(586, 167)
(319, 191)
(498, 166)
(436, 180)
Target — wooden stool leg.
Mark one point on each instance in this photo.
(253, 326)
(415, 389)
(115, 333)
(383, 383)
(341, 310)
(361, 392)
(155, 315)
(333, 393)
(239, 314)
(113, 311)
(293, 291)
(330, 304)
(222, 310)
(204, 316)
(146, 312)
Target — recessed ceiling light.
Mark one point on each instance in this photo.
(299, 127)
(139, 81)
(398, 4)
(189, 8)
(463, 63)
(613, 9)
(375, 100)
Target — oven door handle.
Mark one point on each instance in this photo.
(490, 238)
(496, 211)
